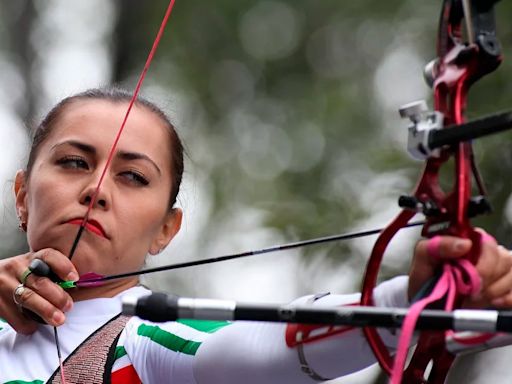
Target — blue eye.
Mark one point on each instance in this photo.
(73, 162)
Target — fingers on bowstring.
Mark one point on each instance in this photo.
(8, 308)
(49, 292)
(33, 301)
(40, 295)
(44, 297)
(58, 263)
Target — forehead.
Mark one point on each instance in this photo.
(96, 122)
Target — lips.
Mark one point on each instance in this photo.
(91, 225)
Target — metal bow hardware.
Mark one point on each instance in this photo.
(459, 63)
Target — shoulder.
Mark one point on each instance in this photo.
(163, 351)
(183, 336)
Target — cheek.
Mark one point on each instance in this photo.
(45, 197)
(144, 219)
(140, 219)
(138, 226)
(148, 207)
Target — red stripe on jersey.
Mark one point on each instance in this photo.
(126, 375)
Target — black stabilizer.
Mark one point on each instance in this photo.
(470, 130)
(157, 307)
(504, 323)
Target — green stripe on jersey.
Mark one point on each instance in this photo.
(168, 340)
(204, 325)
(25, 382)
(120, 352)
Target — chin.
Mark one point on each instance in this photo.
(85, 263)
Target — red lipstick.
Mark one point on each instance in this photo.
(91, 225)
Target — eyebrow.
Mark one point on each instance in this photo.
(77, 144)
(124, 155)
(137, 156)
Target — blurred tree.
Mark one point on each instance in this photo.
(17, 20)
(288, 109)
(283, 111)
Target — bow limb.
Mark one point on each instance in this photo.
(370, 281)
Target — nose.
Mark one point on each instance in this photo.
(100, 197)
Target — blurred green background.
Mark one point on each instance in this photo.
(288, 110)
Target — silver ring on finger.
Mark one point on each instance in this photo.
(17, 294)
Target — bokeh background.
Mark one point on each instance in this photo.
(288, 110)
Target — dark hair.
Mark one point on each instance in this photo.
(114, 95)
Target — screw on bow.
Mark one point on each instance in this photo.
(467, 49)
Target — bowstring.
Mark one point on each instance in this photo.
(136, 91)
(94, 197)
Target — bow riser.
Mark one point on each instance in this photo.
(458, 66)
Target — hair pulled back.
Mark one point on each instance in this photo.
(114, 95)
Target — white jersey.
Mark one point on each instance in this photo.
(193, 352)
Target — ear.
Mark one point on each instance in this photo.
(20, 193)
(170, 227)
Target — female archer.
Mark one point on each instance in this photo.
(133, 215)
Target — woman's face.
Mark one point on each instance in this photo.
(130, 217)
